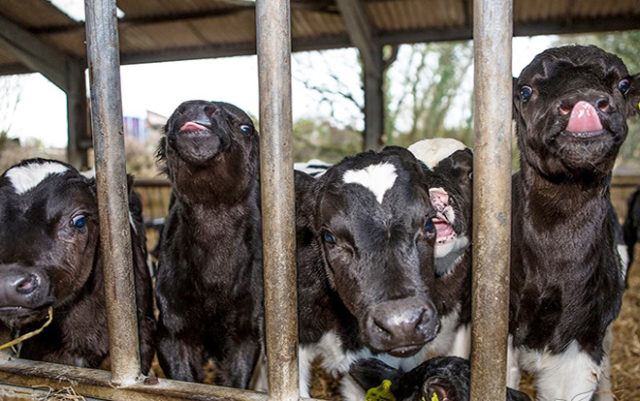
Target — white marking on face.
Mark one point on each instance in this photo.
(378, 178)
(433, 151)
(24, 178)
(570, 375)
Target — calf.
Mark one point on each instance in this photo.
(365, 263)
(209, 287)
(50, 257)
(570, 107)
(441, 379)
(449, 175)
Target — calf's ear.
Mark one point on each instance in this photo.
(370, 373)
(633, 96)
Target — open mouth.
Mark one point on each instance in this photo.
(406, 351)
(445, 216)
(585, 135)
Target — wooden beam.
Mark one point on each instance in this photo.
(361, 31)
(77, 118)
(533, 28)
(34, 53)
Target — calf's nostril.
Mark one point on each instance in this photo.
(28, 284)
(603, 104)
(564, 110)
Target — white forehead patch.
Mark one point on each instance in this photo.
(432, 151)
(378, 178)
(23, 178)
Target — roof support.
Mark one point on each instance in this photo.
(273, 31)
(362, 35)
(492, 29)
(64, 71)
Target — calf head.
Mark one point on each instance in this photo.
(210, 151)
(372, 217)
(48, 238)
(449, 180)
(443, 379)
(570, 107)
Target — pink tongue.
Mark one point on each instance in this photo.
(584, 118)
(192, 126)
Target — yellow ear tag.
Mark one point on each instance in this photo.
(435, 397)
(380, 393)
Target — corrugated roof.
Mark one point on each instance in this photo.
(176, 29)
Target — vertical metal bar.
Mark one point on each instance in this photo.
(278, 214)
(115, 236)
(492, 34)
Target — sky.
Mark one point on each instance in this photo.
(161, 87)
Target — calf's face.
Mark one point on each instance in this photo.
(570, 105)
(210, 144)
(374, 220)
(48, 238)
(450, 191)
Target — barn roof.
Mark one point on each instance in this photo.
(163, 30)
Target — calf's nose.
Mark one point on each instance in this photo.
(401, 327)
(25, 287)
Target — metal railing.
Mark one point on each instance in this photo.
(493, 101)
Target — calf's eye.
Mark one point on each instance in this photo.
(78, 221)
(246, 129)
(525, 92)
(329, 238)
(624, 86)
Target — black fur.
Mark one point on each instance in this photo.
(209, 287)
(631, 226)
(382, 252)
(447, 377)
(566, 275)
(37, 236)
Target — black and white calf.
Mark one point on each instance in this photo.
(365, 263)
(567, 275)
(449, 179)
(50, 256)
(442, 379)
(209, 288)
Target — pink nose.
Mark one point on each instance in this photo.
(439, 198)
(584, 118)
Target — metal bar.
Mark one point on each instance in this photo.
(492, 36)
(115, 235)
(273, 31)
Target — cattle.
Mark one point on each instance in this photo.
(365, 240)
(209, 283)
(441, 379)
(50, 257)
(567, 270)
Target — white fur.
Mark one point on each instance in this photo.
(571, 375)
(462, 342)
(378, 178)
(311, 168)
(91, 173)
(442, 250)
(623, 254)
(513, 368)
(24, 178)
(432, 151)
(604, 385)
